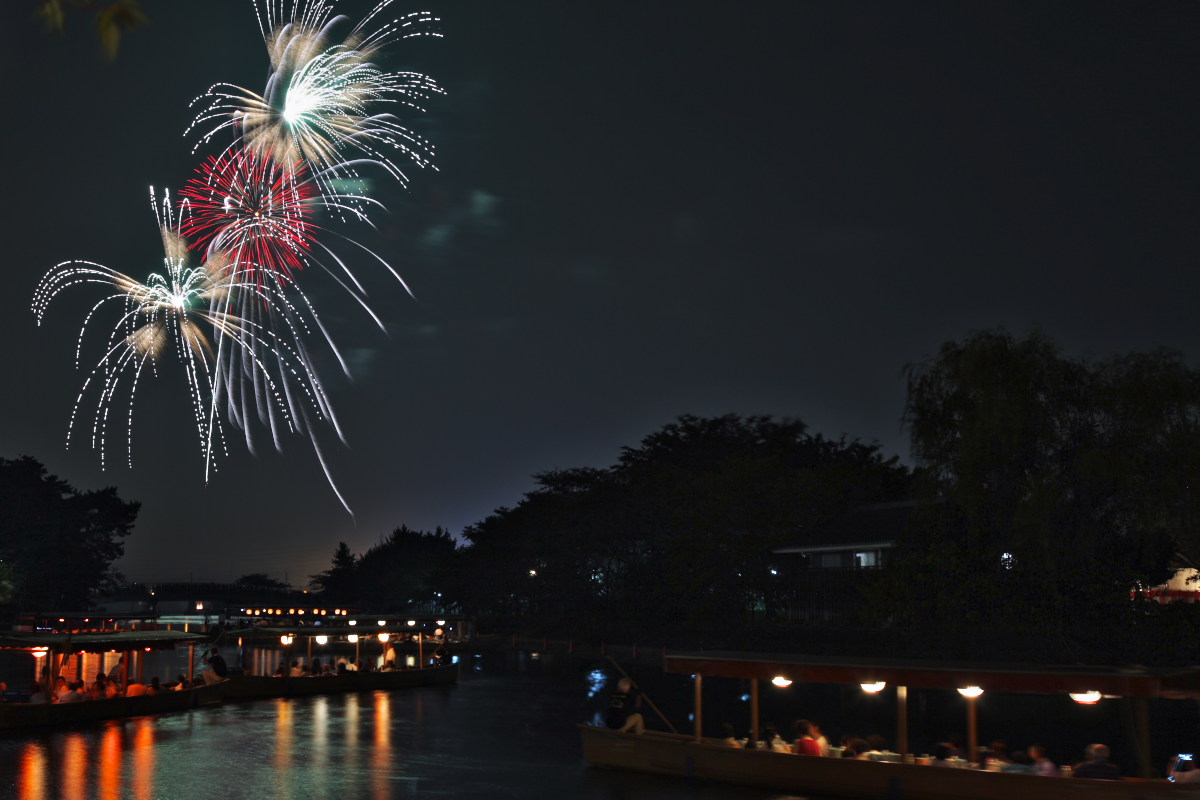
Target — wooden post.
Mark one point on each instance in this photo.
(310, 651)
(972, 731)
(420, 650)
(358, 652)
(191, 663)
(1139, 718)
(125, 670)
(902, 719)
(697, 707)
(753, 713)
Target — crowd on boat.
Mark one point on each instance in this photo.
(103, 687)
(1032, 760)
(624, 714)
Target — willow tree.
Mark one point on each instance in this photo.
(1054, 487)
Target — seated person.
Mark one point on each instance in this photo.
(728, 739)
(36, 694)
(773, 741)
(1097, 766)
(1041, 764)
(73, 694)
(623, 713)
(943, 755)
(857, 749)
(805, 743)
(1021, 763)
(135, 689)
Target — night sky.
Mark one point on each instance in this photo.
(642, 209)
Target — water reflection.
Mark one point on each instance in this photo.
(31, 781)
(497, 734)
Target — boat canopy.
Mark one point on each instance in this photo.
(98, 641)
(1112, 681)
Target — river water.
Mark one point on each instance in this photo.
(505, 731)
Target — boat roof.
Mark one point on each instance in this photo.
(1134, 681)
(98, 641)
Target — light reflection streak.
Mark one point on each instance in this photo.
(143, 760)
(110, 767)
(381, 753)
(74, 765)
(283, 745)
(31, 779)
(320, 734)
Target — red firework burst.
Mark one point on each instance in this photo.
(254, 210)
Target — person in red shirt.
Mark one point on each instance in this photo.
(805, 744)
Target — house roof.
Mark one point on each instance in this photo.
(870, 526)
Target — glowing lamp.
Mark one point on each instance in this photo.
(285, 639)
(199, 606)
(781, 681)
(147, 649)
(412, 622)
(353, 622)
(301, 611)
(441, 622)
(352, 638)
(40, 652)
(291, 611)
(1088, 698)
(322, 639)
(970, 691)
(381, 623)
(383, 637)
(873, 688)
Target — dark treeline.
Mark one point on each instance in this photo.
(1048, 493)
(57, 544)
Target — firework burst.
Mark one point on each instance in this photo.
(187, 309)
(255, 210)
(318, 101)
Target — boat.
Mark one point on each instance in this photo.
(257, 687)
(699, 758)
(52, 715)
(680, 755)
(61, 646)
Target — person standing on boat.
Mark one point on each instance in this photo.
(623, 713)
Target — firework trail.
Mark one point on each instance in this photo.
(318, 101)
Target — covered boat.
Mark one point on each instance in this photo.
(56, 648)
(693, 756)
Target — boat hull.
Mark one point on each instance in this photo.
(670, 754)
(256, 687)
(19, 716)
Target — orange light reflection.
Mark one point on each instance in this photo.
(109, 767)
(31, 780)
(143, 760)
(74, 766)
